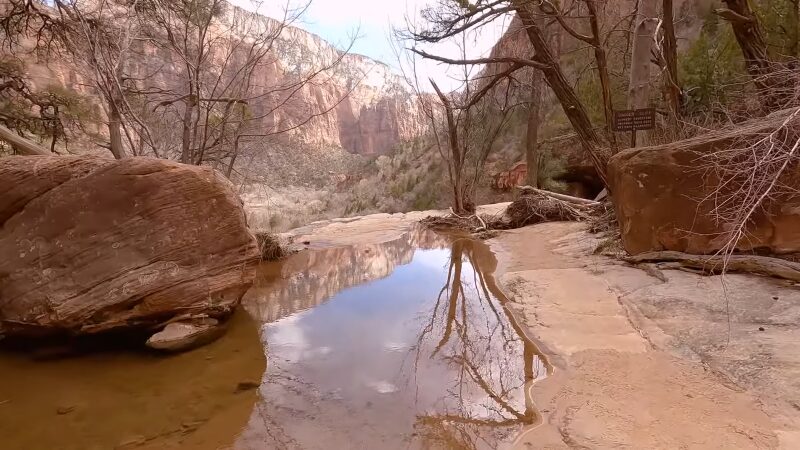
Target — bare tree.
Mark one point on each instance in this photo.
(597, 43)
(465, 127)
(448, 20)
(213, 67)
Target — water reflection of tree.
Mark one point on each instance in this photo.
(471, 331)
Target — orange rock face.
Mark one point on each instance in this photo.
(507, 180)
(90, 245)
(658, 196)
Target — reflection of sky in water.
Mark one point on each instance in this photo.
(367, 368)
(363, 326)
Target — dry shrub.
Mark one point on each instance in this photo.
(461, 223)
(533, 208)
(269, 246)
(604, 220)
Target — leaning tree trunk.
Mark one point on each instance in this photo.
(20, 144)
(573, 107)
(639, 87)
(751, 40)
(672, 88)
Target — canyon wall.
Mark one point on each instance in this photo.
(368, 108)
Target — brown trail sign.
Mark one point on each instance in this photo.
(634, 120)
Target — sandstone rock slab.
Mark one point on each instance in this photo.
(90, 245)
(664, 198)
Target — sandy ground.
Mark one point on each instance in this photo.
(640, 362)
(651, 364)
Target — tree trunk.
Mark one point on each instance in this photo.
(229, 171)
(186, 136)
(573, 108)
(794, 21)
(115, 132)
(672, 88)
(642, 35)
(602, 70)
(762, 265)
(748, 34)
(455, 152)
(20, 144)
(751, 40)
(532, 134)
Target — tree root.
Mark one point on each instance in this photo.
(716, 264)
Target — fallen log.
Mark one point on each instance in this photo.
(20, 144)
(762, 265)
(562, 197)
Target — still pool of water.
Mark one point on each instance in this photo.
(405, 344)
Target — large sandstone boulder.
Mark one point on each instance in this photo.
(659, 194)
(90, 245)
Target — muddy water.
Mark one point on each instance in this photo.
(132, 400)
(399, 345)
(404, 344)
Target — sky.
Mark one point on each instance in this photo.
(372, 21)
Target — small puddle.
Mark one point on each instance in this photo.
(399, 345)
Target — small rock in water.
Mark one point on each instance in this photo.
(182, 336)
(61, 410)
(246, 386)
(761, 329)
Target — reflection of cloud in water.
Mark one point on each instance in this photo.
(395, 346)
(383, 387)
(426, 358)
(309, 278)
(288, 339)
(436, 259)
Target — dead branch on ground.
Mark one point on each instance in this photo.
(717, 264)
(534, 206)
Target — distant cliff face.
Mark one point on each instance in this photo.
(308, 279)
(369, 108)
(379, 109)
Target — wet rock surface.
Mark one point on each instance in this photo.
(93, 245)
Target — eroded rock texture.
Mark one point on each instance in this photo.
(92, 245)
(665, 197)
